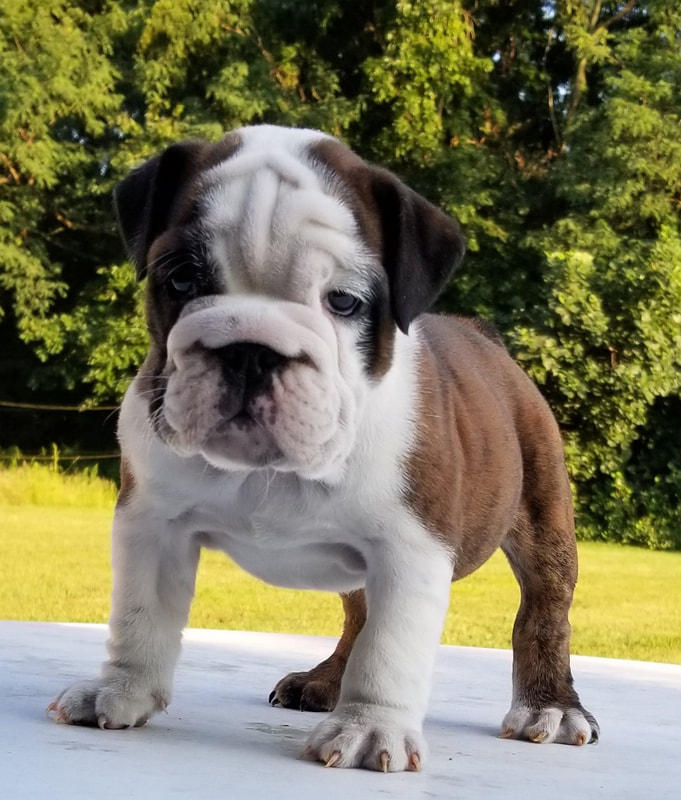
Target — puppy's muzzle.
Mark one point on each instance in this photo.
(254, 382)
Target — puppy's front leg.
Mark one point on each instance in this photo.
(154, 572)
(378, 721)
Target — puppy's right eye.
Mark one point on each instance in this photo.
(182, 287)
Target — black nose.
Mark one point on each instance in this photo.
(249, 365)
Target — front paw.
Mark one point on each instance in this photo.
(108, 704)
(367, 736)
(574, 725)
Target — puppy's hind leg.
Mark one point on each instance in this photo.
(319, 688)
(542, 552)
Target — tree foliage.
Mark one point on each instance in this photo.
(551, 129)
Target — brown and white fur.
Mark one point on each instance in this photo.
(299, 411)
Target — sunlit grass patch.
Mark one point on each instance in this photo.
(55, 566)
(33, 484)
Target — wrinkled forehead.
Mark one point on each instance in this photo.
(275, 222)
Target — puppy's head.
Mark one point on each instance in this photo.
(280, 269)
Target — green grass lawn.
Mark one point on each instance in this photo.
(55, 566)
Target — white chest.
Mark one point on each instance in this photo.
(281, 530)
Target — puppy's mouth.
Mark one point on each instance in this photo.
(242, 420)
(219, 402)
(242, 440)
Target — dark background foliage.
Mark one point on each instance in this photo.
(550, 129)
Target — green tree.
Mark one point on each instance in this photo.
(61, 118)
(551, 129)
(56, 98)
(604, 340)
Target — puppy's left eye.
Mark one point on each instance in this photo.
(342, 304)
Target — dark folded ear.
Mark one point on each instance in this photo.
(421, 246)
(147, 200)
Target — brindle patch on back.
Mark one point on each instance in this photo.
(465, 472)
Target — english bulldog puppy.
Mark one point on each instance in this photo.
(301, 412)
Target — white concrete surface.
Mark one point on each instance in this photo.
(220, 738)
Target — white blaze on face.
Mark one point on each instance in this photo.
(272, 225)
(280, 242)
